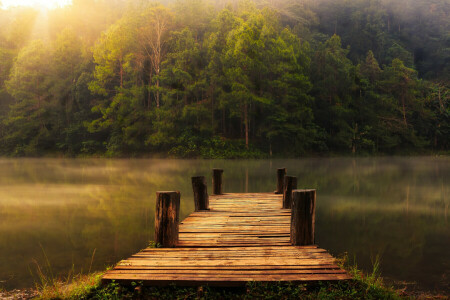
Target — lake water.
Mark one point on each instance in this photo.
(90, 213)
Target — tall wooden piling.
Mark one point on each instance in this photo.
(217, 181)
(303, 217)
(201, 199)
(290, 183)
(280, 180)
(167, 216)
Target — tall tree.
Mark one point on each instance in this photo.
(69, 61)
(27, 127)
(333, 79)
(401, 82)
(115, 83)
(216, 47)
(246, 66)
(153, 34)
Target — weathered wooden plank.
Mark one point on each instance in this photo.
(262, 267)
(208, 279)
(236, 272)
(178, 249)
(243, 237)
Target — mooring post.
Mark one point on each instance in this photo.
(201, 199)
(167, 217)
(303, 217)
(217, 181)
(290, 183)
(280, 180)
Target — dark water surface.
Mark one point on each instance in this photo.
(396, 208)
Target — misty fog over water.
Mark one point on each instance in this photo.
(396, 208)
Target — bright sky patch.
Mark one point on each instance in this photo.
(35, 3)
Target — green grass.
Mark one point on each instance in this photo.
(351, 289)
(73, 286)
(363, 286)
(79, 287)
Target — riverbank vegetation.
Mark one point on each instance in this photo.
(199, 78)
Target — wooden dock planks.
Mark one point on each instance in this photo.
(243, 237)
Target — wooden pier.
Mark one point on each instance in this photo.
(240, 238)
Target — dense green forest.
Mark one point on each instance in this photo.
(225, 78)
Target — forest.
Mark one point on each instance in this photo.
(224, 79)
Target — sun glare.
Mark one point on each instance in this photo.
(35, 3)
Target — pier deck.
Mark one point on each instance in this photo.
(242, 238)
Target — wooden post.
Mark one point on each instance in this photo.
(290, 183)
(303, 217)
(167, 217)
(280, 180)
(217, 181)
(201, 199)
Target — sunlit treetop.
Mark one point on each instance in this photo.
(35, 3)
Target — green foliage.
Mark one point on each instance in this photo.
(28, 123)
(344, 290)
(74, 286)
(248, 80)
(153, 244)
(216, 147)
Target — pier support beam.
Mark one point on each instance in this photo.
(217, 181)
(303, 217)
(201, 199)
(280, 180)
(290, 183)
(167, 217)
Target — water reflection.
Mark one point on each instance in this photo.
(396, 207)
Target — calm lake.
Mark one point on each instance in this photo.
(90, 213)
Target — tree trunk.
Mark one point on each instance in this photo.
(246, 124)
(149, 92)
(241, 126)
(212, 111)
(121, 74)
(224, 128)
(39, 105)
(404, 110)
(157, 92)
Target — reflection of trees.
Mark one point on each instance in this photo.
(404, 241)
(72, 207)
(113, 213)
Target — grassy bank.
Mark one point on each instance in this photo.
(363, 286)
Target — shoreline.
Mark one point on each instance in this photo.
(363, 285)
(169, 157)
